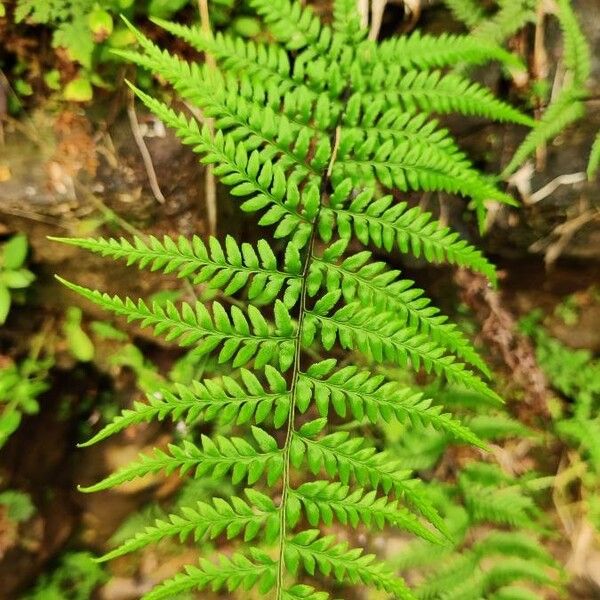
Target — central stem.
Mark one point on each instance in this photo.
(295, 376)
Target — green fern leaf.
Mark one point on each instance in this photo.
(304, 592)
(211, 520)
(372, 396)
(423, 51)
(433, 91)
(576, 51)
(294, 25)
(330, 558)
(511, 592)
(242, 337)
(352, 457)
(469, 12)
(232, 573)
(374, 285)
(210, 398)
(219, 457)
(322, 501)
(392, 225)
(346, 21)
(565, 110)
(229, 268)
(384, 338)
(511, 16)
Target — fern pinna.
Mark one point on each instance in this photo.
(311, 130)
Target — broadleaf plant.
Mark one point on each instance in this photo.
(315, 130)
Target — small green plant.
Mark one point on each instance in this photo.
(20, 385)
(313, 130)
(88, 30)
(575, 374)
(496, 552)
(79, 343)
(18, 505)
(76, 577)
(496, 549)
(13, 275)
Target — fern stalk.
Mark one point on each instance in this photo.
(296, 372)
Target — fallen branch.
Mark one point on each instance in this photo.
(141, 144)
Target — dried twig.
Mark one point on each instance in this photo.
(552, 186)
(565, 232)
(141, 144)
(377, 10)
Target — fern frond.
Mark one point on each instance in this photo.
(393, 225)
(217, 457)
(495, 427)
(243, 336)
(239, 108)
(306, 131)
(265, 182)
(396, 123)
(510, 570)
(314, 553)
(435, 92)
(468, 12)
(576, 49)
(294, 25)
(456, 577)
(323, 501)
(514, 592)
(515, 544)
(584, 432)
(511, 16)
(365, 394)
(432, 149)
(373, 284)
(564, 111)
(505, 506)
(304, 592)
(229, 268)
(423, 51)
(234, 518)
(232, 573)
(409, 165)
(268, 63)
(210, 398)
(382, 336)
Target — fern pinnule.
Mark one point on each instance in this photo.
(312, 140)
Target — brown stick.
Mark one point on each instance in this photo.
(141, 144)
